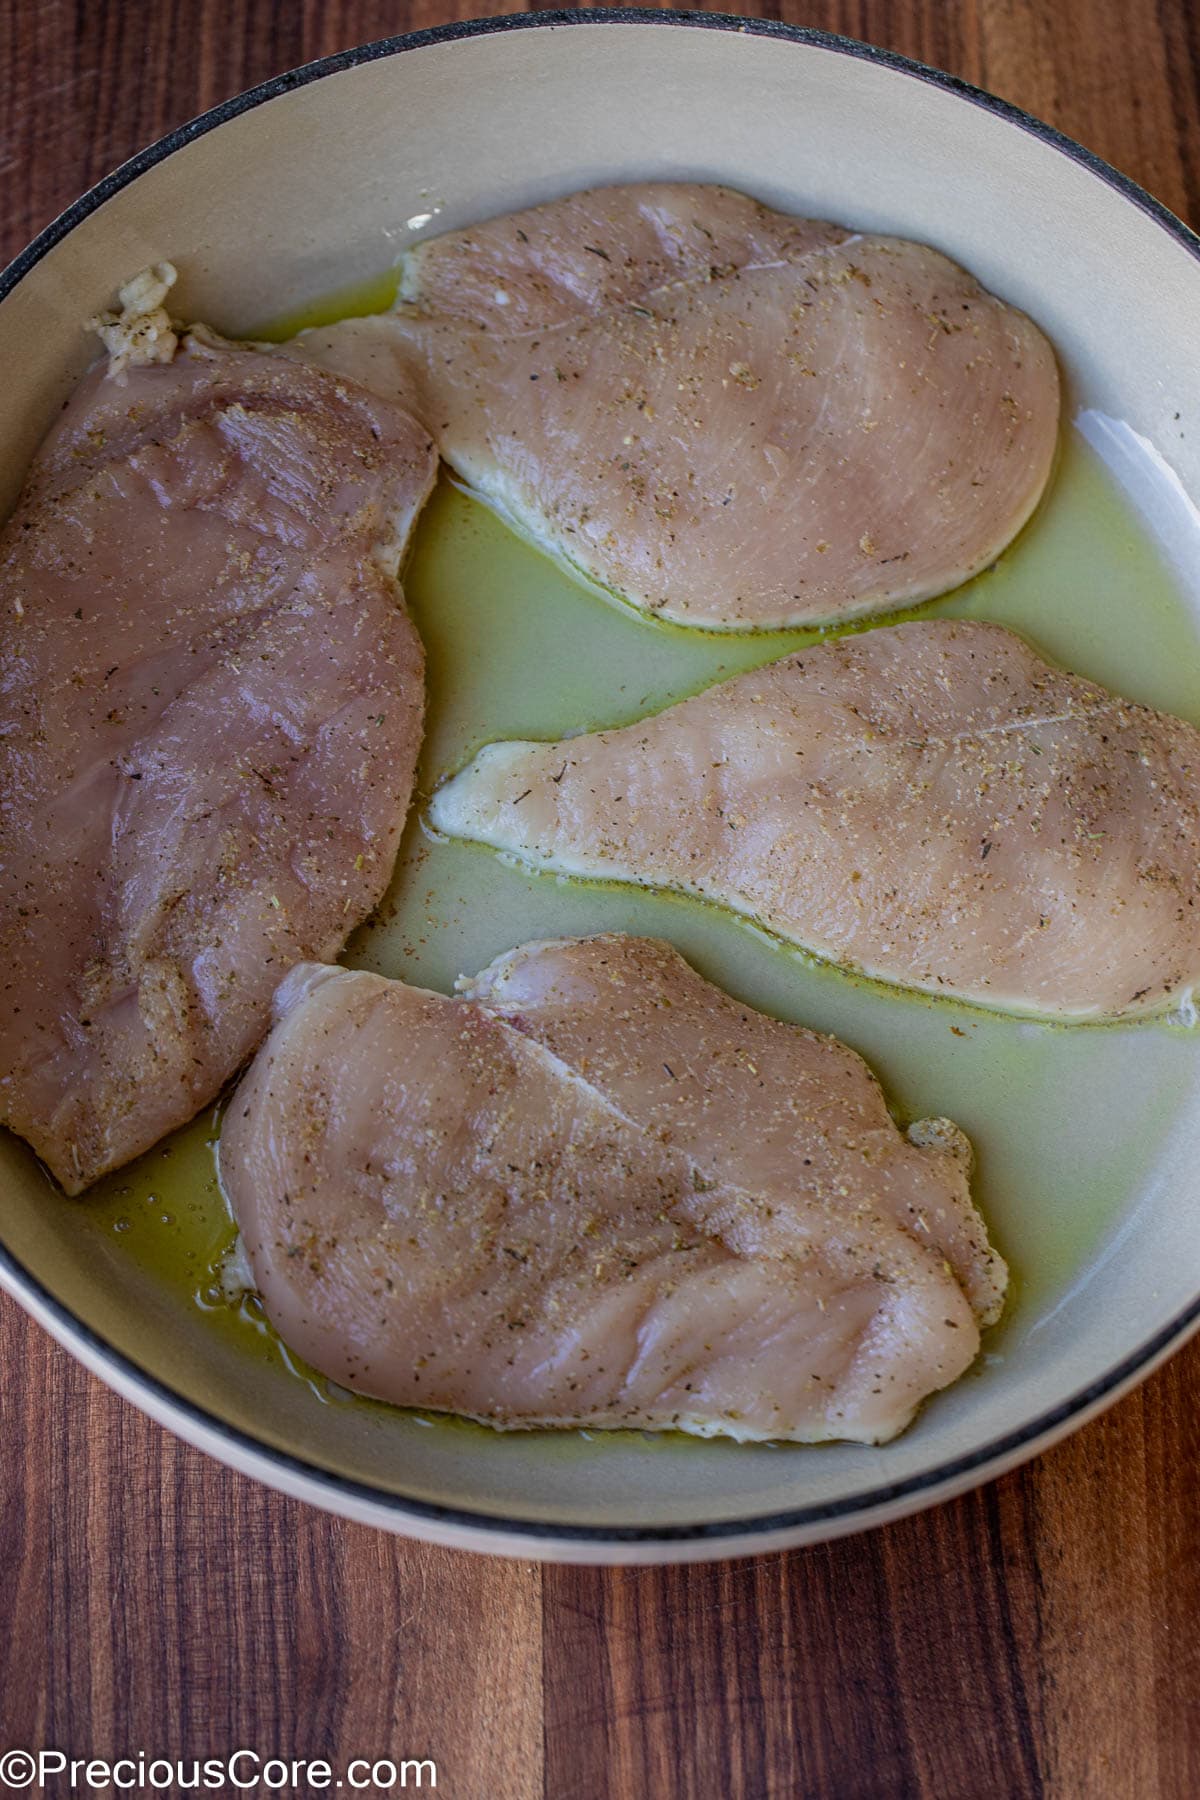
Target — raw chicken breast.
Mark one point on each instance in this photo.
(595, 1190)
(928, 803)
(729, 417)
(212, 704)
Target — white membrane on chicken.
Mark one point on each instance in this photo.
(595, 1190)
(928, 803)
(212, 704)
(726, 416)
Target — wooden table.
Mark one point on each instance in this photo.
(1038, 1637)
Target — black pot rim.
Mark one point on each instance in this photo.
(909, 1492)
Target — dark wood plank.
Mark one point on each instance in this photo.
(1036, 1638)
(152, 1599)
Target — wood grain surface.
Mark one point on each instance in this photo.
(1039, 1637)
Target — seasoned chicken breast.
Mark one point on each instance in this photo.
(595, 1190)
(728, 417)
(212, 704)
(928, 803)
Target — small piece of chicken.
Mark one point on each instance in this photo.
(595, 1190)
(724, 415)
(927, 803)
(212, 705)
